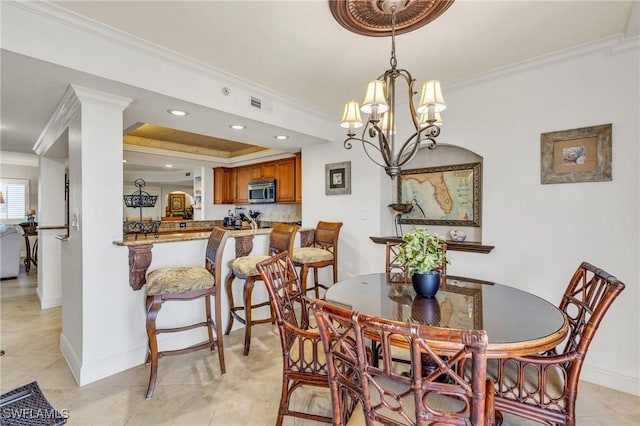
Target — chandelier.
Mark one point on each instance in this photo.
(378, 134)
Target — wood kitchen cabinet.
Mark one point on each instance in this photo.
(224, 185)
(286, 180)
(230, 185)
(263, 170)
(244, 175)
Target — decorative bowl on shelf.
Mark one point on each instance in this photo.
(458, 236)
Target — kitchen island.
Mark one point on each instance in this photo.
(147, 253)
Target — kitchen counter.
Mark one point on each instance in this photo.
(130, 240)
(140, 256)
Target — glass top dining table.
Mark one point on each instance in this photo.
(516, 322)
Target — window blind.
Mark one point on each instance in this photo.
(15, 193)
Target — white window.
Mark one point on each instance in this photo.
(16, 197)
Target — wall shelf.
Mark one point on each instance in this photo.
(468, 246)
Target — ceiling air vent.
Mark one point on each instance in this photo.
(255, 102)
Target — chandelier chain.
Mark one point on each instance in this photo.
(393, 61)
(379, 132)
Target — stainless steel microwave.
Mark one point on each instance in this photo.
(262, 191)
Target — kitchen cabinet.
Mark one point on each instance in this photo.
(263, 170)
(243, 177)
(224, 185)
(230, 184)
(285, 180)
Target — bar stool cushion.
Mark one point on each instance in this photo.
(246, 265)
(179, 279)
(311, 255)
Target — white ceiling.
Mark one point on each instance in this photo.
(297, 49)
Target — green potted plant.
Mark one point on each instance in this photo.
(422, 254)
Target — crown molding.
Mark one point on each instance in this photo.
(58, 122)
(607, 46)
(19, 159)
(78, 22)
(73, 97)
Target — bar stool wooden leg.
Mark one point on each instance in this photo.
(303, 279)
(154, 303)
(219, 340)
(207, 308)
(232, 306)
(316, 282)
(248, 290)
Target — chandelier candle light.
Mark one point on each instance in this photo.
(380, 105)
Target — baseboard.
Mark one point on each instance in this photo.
(70, 356)
(51, 302)
(610, 380)
(106, 367)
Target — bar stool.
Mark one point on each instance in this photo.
(324, 252)
(182, 284)
(281, 238)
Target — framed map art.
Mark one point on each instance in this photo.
(443, 195)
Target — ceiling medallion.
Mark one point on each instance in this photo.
(373, 17)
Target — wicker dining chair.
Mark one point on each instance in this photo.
(304, 362)
(365, 394)
(544, 388)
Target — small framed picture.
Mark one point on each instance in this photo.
(576, 155)
(176, 202)
(338, 178)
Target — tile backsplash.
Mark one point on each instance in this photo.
(277, 212)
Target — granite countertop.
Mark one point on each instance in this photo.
(130, 240)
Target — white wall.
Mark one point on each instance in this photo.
(541, 233)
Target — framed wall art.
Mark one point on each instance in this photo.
(337, 178)
(197, 185)
(576, 155)
(443, 195)
(176, 202)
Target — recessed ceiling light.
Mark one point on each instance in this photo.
(237, 126)
(177, 112)
(168, 165)
(124, 161)
(282, 137)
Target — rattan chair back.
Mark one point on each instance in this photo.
(303, 357)
(544, 388)
(383, 396)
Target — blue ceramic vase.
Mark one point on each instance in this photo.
(427, 284)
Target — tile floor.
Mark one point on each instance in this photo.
(190, 389)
